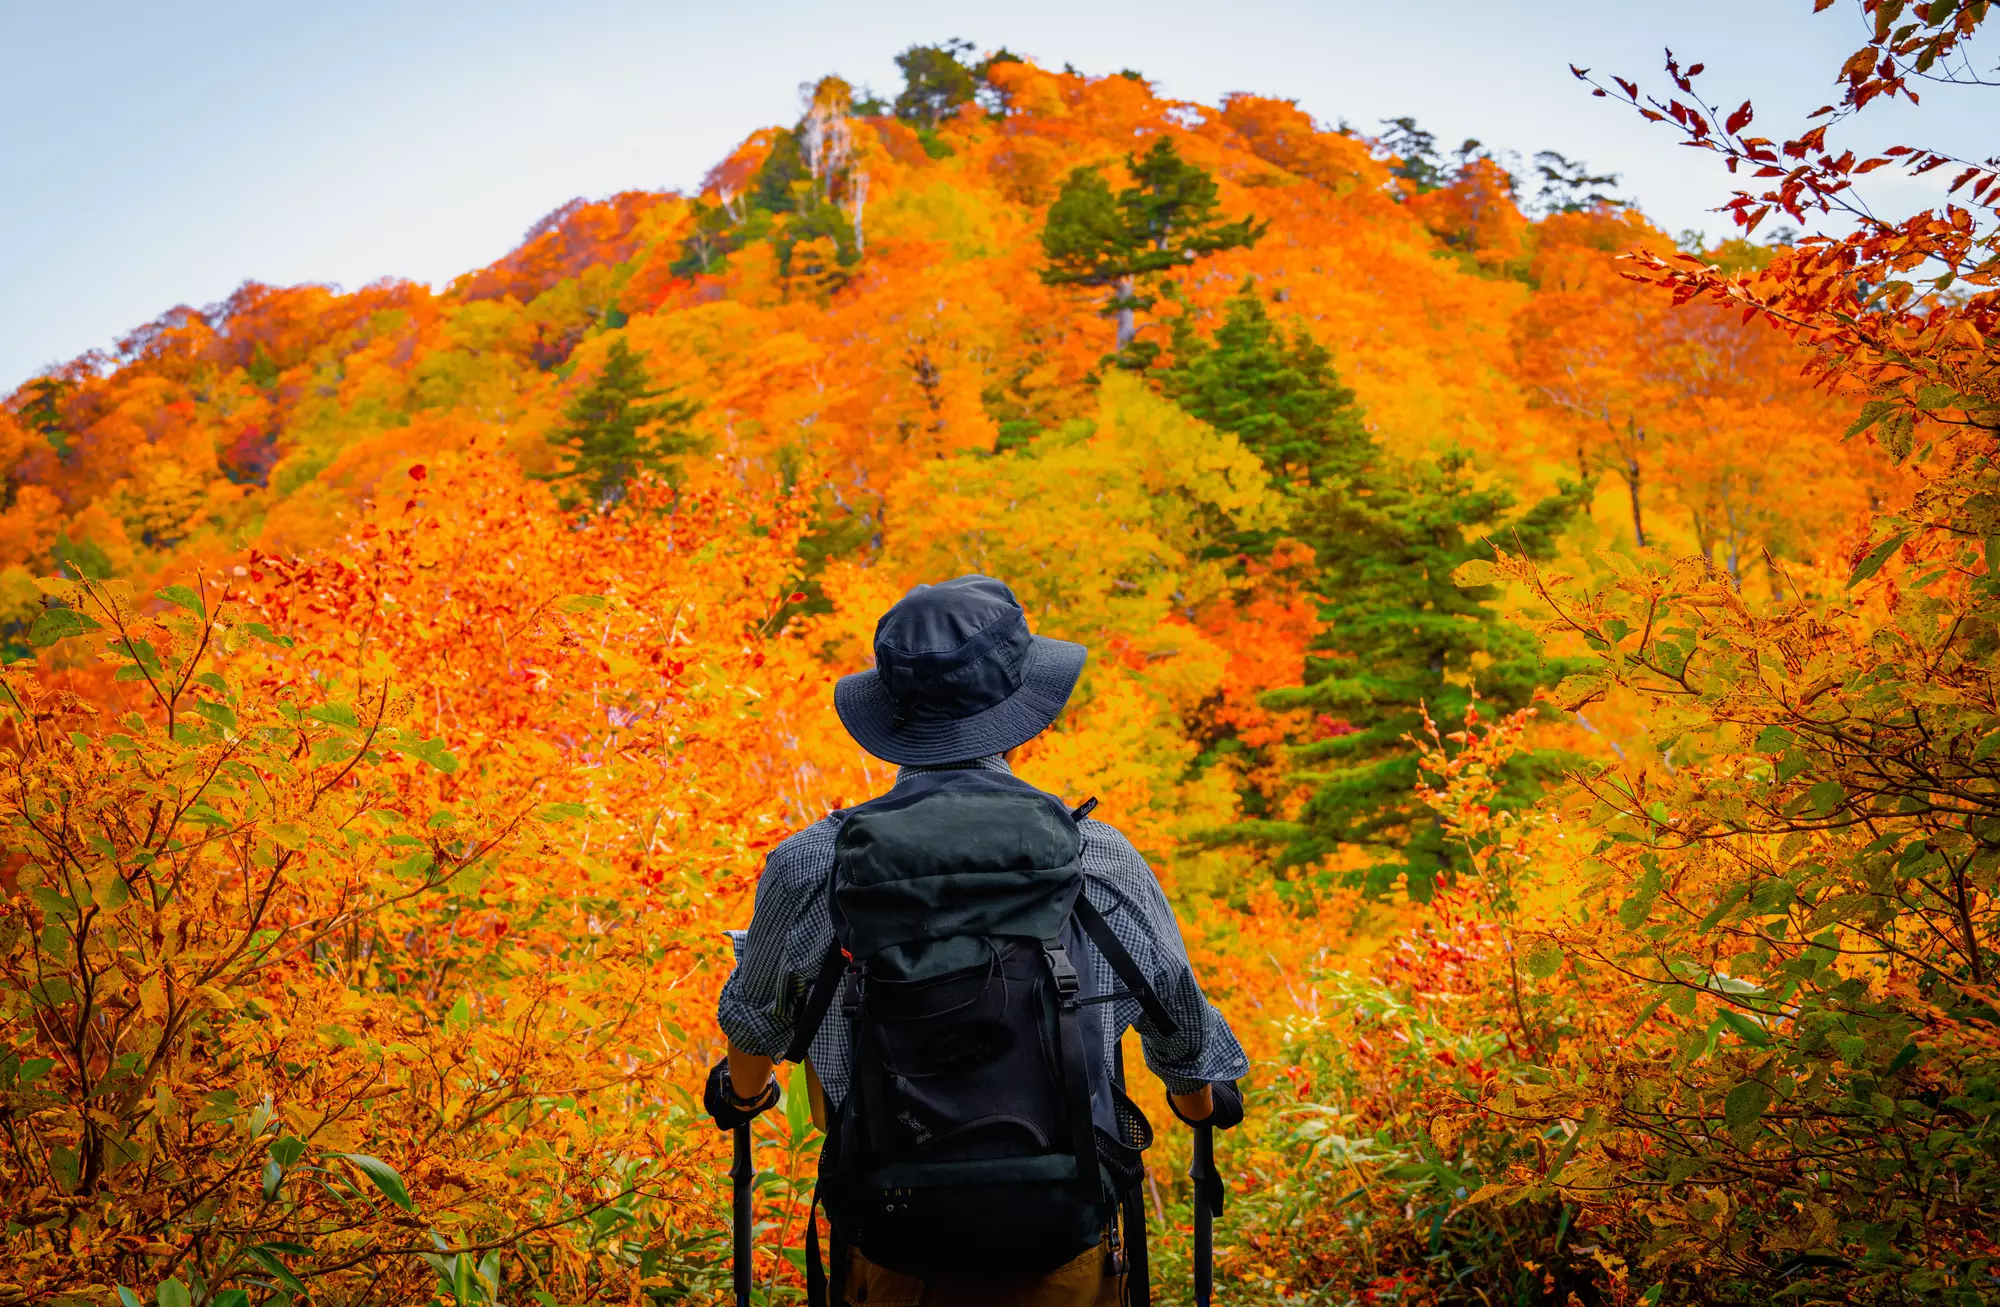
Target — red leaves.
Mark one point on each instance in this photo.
(1683, 80)
(1802, 176)
(1885, 18)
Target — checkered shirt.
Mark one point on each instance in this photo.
(791, 930)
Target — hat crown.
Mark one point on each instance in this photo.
(953, 649)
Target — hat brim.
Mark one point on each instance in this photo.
(1048, 675)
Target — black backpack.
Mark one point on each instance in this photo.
(982, 1136)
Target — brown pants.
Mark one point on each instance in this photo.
(1078, 1283)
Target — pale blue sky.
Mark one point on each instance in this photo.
(156, 154)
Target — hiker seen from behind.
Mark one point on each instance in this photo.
(956, 961)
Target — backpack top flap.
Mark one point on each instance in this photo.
(926, 874)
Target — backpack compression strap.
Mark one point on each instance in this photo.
(1083, 1133)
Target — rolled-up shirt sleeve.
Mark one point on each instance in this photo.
(1202, 1048)
(791, 929)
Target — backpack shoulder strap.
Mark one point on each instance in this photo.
(818, 1001)
(1114, 951)
(826, 985)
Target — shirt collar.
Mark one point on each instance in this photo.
(992, 762)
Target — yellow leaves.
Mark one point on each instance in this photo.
(1474, 572)
(108, 890)
(112, 598)
(322, 1128)
(582, 1011)
(217, 997)
(1621, 563)
(153, 996)
(1175, 455)
(1141, 488)
(60, 589)
(1579, 689)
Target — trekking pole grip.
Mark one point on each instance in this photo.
(740, 1174)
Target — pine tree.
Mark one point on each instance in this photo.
(1166, 220)
(610, 431)
(1282, 399)
(43, 410)
(935, 82)
(1413, 155)
(1402, 639)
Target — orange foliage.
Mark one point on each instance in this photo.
(361, 468)
(1704, 420)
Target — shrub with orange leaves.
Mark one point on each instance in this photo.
(1786, 911)
(300, 994)
(263, 1023)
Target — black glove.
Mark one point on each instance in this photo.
(1228, 1106)
(720, 1101)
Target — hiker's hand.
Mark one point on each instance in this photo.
(729, 1111)
(1225, 1105)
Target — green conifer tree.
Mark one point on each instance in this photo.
(43, 410)
(1281, 398)
(1401, 638)
(1167, 219)
(936, 81)
(611, 431)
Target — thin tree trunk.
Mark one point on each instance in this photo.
(1630, 472)
(1127, 326)
(1963, 905)
(860, 193)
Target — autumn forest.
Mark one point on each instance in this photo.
(1549, 662)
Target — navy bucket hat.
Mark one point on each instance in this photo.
(957, 676)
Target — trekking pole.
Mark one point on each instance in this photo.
(1207, 1206)
(740, 1174)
